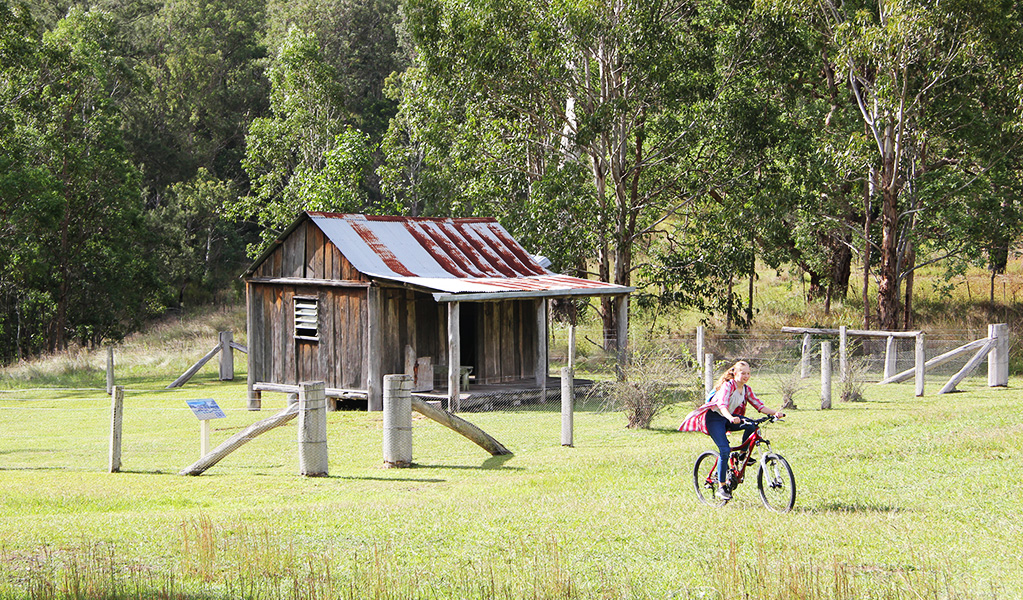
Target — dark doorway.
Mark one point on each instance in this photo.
(469, 327)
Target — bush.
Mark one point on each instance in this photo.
(789, 384)
(855, 381)
(653, 381)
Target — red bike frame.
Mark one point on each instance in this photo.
(741, 456)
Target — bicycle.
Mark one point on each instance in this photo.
(775, 481)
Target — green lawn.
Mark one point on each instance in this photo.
(897, 498)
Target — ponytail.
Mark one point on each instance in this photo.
(729, 375)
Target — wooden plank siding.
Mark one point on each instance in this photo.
(338, 356)
(504, 333)
(506, 341)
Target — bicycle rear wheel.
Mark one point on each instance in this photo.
(705, 479)
(776, 483)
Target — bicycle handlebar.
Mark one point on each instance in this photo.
(771, 418)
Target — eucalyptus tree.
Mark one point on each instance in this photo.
(305, 155)
(75, 204)
(618, 87)
(917, 71)
(201, 65)
(358, 40)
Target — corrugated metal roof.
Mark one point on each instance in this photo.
(451, 256)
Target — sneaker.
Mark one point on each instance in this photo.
(723, 493)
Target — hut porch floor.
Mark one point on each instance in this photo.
(479, 396)
(488, 396)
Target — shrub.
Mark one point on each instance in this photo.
(789, 384)
(855, 381)
(653, 381)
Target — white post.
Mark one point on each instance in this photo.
(204, 437)
(890, 354)
(567, 406)
(921, 364)
(116, 417)
(541, 347)
(825, 375)
(804, 369)
(397, 421)
(843, 352)
(708, 374)
(622, 307)
(700, 341)
(226, 356)
(571, 346)
(410, 361)
(998, 359)
(312, 429)
(110, 370)
(454, 357)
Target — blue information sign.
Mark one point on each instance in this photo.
(206, 409)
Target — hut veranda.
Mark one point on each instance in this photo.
(348, 298)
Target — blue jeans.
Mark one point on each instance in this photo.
(718, 428)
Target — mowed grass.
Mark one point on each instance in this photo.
(898, 497)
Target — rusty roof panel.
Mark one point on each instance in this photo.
(453, 256)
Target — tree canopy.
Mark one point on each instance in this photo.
(673, 145)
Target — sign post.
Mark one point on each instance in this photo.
(205, 410)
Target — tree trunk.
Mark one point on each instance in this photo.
(888, 288)
(818, 285)
(841, 268)
(866, 249)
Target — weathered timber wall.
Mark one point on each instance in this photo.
(498, 338)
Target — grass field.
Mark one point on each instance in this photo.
(897, 498)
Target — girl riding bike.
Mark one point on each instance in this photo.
(723, 412)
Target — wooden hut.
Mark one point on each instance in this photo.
(346, 299)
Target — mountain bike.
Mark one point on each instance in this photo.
(775, 480)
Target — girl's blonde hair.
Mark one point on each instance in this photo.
(729, 374)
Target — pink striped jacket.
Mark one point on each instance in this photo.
(697, 420)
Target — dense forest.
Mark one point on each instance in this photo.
(150, 147)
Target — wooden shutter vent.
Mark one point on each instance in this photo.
(306, 319)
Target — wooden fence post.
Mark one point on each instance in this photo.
(204, 437)
(397, 421)
(622, 336)
(804, 369)
(708, 374)
(454, 357)
(825, 375)
(226, 356)
(571, 346)
(998, 359)
(110, 370)
(843, 353)
(700, 341)
(890, 356)
(921, 363)
(312, 429)
(116, 417)
(567, 406)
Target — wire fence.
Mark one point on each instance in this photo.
(768, 354)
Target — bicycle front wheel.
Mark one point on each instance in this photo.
(776, 483)
(705, 479)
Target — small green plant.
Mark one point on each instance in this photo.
(789, 384)
(855, 381)
(652, 382)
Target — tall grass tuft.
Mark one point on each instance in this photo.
(855, 383)
(789, 384)
(652, 381)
